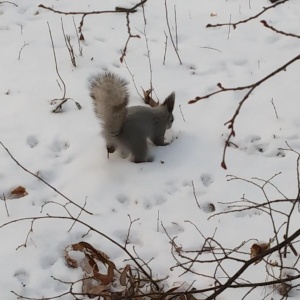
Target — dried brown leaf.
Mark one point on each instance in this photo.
(87, 284)
(283, 289)
(89, 264)
(97, 290)
(18, 192)
(148, 99)
(71, 262)
(257, 249)
(123, 275)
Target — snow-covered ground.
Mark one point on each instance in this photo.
(181, 193)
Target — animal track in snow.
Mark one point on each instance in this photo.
(174, 229)
(100, 39)
(131, 239)
(171, 187)
(123, 199)
(255, 144)
(46, 175)
(240, 62)
(32, 141)
(22, 276)
(48, 261)
(147, 204)
(207, 179)
(159, 199)
(59, 146)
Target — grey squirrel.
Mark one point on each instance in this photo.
(128, 128)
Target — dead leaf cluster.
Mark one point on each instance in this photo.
(100, 275)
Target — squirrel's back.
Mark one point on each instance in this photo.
(110, 96)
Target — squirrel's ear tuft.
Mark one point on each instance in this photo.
(169, 102)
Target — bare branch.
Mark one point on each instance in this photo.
(249, 19)
(279, 31)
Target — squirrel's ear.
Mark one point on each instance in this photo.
(169, 102)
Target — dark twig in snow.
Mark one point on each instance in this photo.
(279, 31)
(170, 33)
(24, 45)
(63, 99)
(130, 35)
(12, 3)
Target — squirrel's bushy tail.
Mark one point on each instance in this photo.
(110, 96)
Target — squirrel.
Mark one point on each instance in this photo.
(128, 128)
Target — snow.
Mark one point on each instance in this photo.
(68, 152)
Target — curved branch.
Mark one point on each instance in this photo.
(249, 19)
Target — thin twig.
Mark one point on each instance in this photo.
(127, 241)
(265, 9)
(148, 50)
(274, 108)
(67, 39)
(130, 35)
(5, 204)
(195, 196)
(176, 27)
(279, 31)
(181, 112)
(78, 38)
(229, 28)
(24, 45)
(170, 33)
(56, 67)
(166, 46)
(1, 2)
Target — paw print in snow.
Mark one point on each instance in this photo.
(59, 146)
(207, 179)
(123, 199)
(32, 141)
